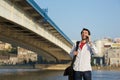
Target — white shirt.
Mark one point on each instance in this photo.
(83, 59)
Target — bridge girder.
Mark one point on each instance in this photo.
(17, 35)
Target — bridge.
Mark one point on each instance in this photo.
(25, 24)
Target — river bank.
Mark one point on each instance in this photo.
(64, 66)
(17, 67)
(108, 68)
(55, 67)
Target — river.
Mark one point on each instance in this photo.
(35, 74)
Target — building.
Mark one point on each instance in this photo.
(112, 56)
(4, 60)
(13, 59)
(12, 55)
(26, 56)
(5, 46)
(100, 44)
(117, 40)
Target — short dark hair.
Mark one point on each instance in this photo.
(86, 30)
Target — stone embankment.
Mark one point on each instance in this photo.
(56, 67)
(106, 68)
(64, 66)
(51, 66)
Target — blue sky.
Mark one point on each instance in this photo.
(101, 17)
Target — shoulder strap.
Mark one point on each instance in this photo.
(77, 45)
(74, 58)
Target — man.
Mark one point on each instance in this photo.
(82, 64)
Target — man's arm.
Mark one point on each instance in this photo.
(72, 51)
(92, 46)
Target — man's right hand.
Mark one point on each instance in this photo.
(75, 52)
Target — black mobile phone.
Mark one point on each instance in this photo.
(87, 39)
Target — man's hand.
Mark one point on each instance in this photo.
(89, 39)
(75, 52)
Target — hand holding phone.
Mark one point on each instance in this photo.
(88, 38)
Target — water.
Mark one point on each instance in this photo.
(106, 75)
(35, 74)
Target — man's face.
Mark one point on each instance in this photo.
(84, 34)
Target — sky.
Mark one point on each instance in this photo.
(101, 17)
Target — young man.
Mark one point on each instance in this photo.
(82, 64)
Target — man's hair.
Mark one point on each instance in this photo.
(85, 29)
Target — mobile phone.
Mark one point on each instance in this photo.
(87, 38)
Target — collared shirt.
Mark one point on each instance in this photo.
(83, 59)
